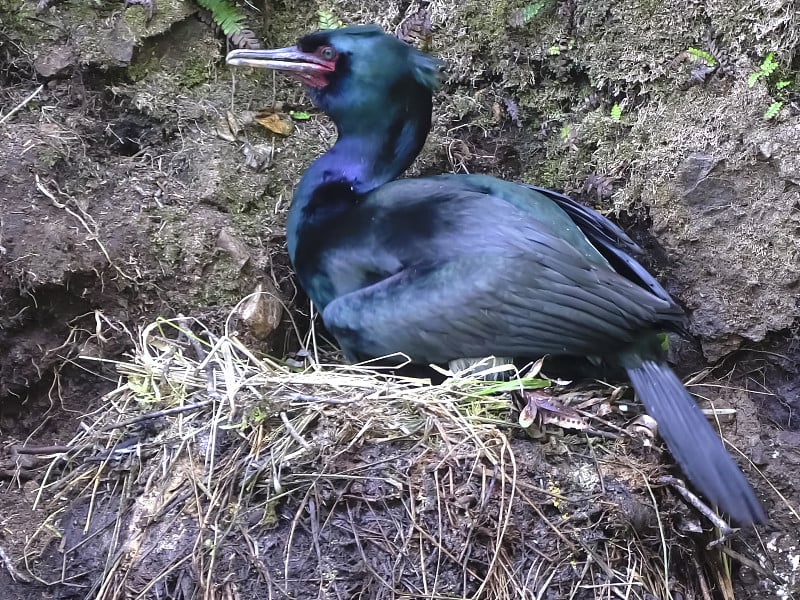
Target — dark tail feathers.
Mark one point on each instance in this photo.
(694, 444)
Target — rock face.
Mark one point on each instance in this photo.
(735, 236)
(110, 207)
(724, 206)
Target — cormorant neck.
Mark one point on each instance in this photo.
(368, 153)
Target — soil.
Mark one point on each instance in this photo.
(128, 193)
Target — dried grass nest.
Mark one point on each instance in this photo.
(211, 472)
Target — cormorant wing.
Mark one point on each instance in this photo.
(528, 293)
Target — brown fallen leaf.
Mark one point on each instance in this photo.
(542, 409)
(277, 123)
(229, 128)
(416, 30)
(261, 311)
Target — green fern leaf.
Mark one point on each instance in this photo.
(782, 84)
(769, 65)
(522, 16)
(773, 110)
(532, 9)
(751, 81)
(616, 113)
(702, 55)
(327, 20)
(225, 15)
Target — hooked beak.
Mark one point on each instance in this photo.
(307, 67)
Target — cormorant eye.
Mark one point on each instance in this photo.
(327, 53)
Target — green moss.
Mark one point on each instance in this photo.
(194, 72)
(167, 238)
(220, 284)
(18, 15)
(146, 63)
(174, 61)
(168, 13)
(50, 155)
(188, 252)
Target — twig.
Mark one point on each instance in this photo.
(701, 506)
(22, 104)
(40, 449)
(93, 234)
(155, 415)
(752, 564)
(293, 432)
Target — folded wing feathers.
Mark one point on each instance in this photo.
(510, 306)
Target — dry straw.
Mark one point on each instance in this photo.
(210, 472)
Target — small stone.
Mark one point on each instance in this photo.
(56, 62)
(757, 455)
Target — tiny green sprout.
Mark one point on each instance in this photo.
(769, 65)
(616, 112)
(566, 132)
(327, 20)
(140, 386)
(554, 50)
(773, 110)
(664, 339)
(258, 416)
(702, 55)
(533, 9)
(299, 115)
(766, 69)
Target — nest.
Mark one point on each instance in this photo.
(210, 472)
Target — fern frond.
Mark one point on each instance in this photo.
(616, 113)
(327, 20)
(773, 110)
(522, 16)
(225, 14)
(769, 65)
(702, 55)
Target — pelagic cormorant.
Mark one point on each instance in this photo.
(466, 266)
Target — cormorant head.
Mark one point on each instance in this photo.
(354, 74)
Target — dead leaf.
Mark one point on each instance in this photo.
(416, 30)
(257, 157)
(261, 311)
(277, 123)
(234, 125)
(604, 409)
(535, 369)
(229, 128)
(234, 247)
(542, 409)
